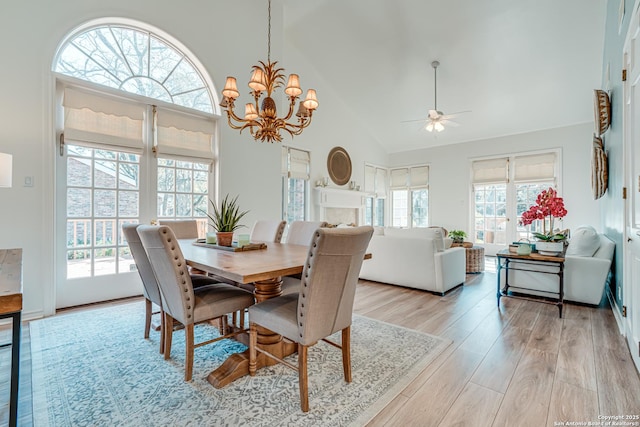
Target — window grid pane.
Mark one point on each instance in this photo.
(101, 194)
(490, 214)
(183, 191)
(399, 205)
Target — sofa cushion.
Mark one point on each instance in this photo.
(584, 242)
(434, 233)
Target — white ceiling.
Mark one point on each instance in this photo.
(518, 65)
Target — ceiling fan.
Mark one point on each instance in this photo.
(436, 119)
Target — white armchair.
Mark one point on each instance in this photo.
(586, 268)
(414, 258)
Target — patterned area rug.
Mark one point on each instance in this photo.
(93, 368)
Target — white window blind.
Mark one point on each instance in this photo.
(369, 179)
(412, 177)
(399, 178)
(375, 181)
(381, 183)
(490, 171)
(419, 176)
(299, 164)
(100, 120)
(537, 167)
(183, 135)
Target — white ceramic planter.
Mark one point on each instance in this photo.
(549, 248)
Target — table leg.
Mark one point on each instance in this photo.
(561, 293)
(498, 294)
(237, 365)
(15, 370)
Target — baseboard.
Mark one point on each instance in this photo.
(616, 311)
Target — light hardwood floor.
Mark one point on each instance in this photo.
(517, 366)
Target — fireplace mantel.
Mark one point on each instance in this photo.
(331, 199)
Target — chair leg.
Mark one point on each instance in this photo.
(303, 377)
(162, 330)
(147, 317)
(188, 360)
(346, 353)
(241, 314)
(253, 342)
(168, 334)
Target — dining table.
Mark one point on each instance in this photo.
(264, 268)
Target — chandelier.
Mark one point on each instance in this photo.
(262, 120)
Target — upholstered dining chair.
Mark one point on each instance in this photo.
(267, 231)
(182, 228)
(150, 288)
(323, 306)
(301, 232)
(180, 301)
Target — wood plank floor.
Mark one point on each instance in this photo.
(517, 366)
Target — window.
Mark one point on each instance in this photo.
(410, 196)
(135, 61)
(183, 189)
(295, 188)
(142, 151)
(503, 189)
(375, 183)
(103, 193)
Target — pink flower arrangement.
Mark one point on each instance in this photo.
(548, 206)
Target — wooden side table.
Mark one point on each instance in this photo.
(475, 259)
(531, 262)
(11, 307)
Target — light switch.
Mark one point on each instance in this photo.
(28, 181)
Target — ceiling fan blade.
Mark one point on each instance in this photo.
(412, 121)
(457, 113)
(450, 123)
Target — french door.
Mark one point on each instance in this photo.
(631, 275)
(99, 191)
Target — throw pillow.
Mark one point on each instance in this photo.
(584, 242)
(437, 235)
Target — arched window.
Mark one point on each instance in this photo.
(136, 61)
(137, 116)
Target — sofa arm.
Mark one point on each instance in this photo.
(450, 268)
(585, 278)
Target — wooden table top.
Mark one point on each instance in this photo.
(278, 259)
(534, 256)
(10, 280)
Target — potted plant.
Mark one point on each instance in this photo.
(226, 219)
(548, 207)
(457, 236)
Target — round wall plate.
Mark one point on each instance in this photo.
(339, 165)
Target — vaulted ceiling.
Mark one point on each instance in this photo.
(517, 65)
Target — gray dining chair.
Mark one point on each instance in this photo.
(182, 228)
(300, 233)
(180, 301)
(267, 231)
(150, 288)
(323, 306)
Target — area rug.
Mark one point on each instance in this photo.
(94, 368)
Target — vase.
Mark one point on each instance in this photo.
(549, 248)
(224, 238)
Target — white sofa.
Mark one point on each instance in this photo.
(587, 264)
(414, 258)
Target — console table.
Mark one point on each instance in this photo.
(11, 307)
(531, 262)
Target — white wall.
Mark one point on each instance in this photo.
(450, 187)
(227, 36)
